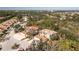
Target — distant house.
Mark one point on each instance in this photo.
(48, 33)
(2, 17)
(32, 29)
(7, 24)
(25, 18)
(63, 17)
(2, 27)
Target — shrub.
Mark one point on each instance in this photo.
(18, 28)
(54, 37)
(68, 45)
(67, 34)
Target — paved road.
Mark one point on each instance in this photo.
(12, 39)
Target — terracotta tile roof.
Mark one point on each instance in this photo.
(32, 27)
(6, 24)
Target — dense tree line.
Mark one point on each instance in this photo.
(6, 15)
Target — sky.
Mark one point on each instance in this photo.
(39, 4)
(39, 8)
